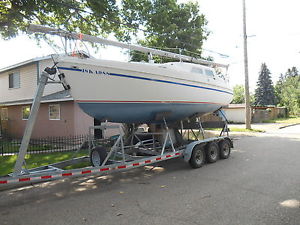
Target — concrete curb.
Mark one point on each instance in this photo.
(289, 125)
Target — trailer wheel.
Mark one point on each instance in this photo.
(98, 155)
(224, 149)
(197, 157)
(212, 152)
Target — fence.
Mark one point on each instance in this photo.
(10, 146)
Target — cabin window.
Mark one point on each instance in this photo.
(4, 114)
(197, 70)
(209, 73)
(14, 80)
(25, 112)
(54, 112)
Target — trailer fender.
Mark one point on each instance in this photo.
(190, 147)
(230, 141)
(189, 150)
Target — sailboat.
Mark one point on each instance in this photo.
(136, 92)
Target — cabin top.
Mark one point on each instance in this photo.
(197, 69)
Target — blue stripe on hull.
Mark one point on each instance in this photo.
(153, 80)
(143, 112)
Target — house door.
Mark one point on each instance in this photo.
(98, 132)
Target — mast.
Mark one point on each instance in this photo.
(93, 39)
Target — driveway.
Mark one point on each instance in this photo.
(258, 184)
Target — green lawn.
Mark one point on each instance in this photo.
(35, 160)
(291, 119)
(236, 129)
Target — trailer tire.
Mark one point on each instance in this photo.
(212, 152)
(98, 155)
(198, 157)
(225, 149)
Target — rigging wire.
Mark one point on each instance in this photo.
(51, 47)
(114, 21)
(71, 6)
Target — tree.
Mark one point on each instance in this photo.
(238, 94)
(168, 24)
(287, 91)
(163, 23)
(278, 89)
(87, 16)
(264, 94)
(293, 72)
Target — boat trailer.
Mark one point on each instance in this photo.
(123, 157)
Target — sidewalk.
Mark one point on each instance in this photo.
(266, 127)
(277, 129)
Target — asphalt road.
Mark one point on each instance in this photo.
(258, 184)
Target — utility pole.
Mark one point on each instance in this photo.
(247, 94)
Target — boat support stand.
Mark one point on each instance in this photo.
(45, 76)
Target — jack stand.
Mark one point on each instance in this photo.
(200, 127)
(168, 136)
(31, 121)
(225, 127)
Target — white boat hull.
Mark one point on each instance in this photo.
(137, 93)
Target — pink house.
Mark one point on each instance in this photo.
(59, 115)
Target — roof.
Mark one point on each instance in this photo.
(60, 96)
(24, 63)
(77, 53)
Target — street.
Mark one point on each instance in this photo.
(258, 184)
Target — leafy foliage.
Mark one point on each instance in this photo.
(88, 16)
(164, 23)
(264, 94)
(293, 72)
(287, 91)
(239, 95)
(168, 24)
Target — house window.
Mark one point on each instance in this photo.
(4, 114)
(54, 112)
(14, 80)
(25, 112)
